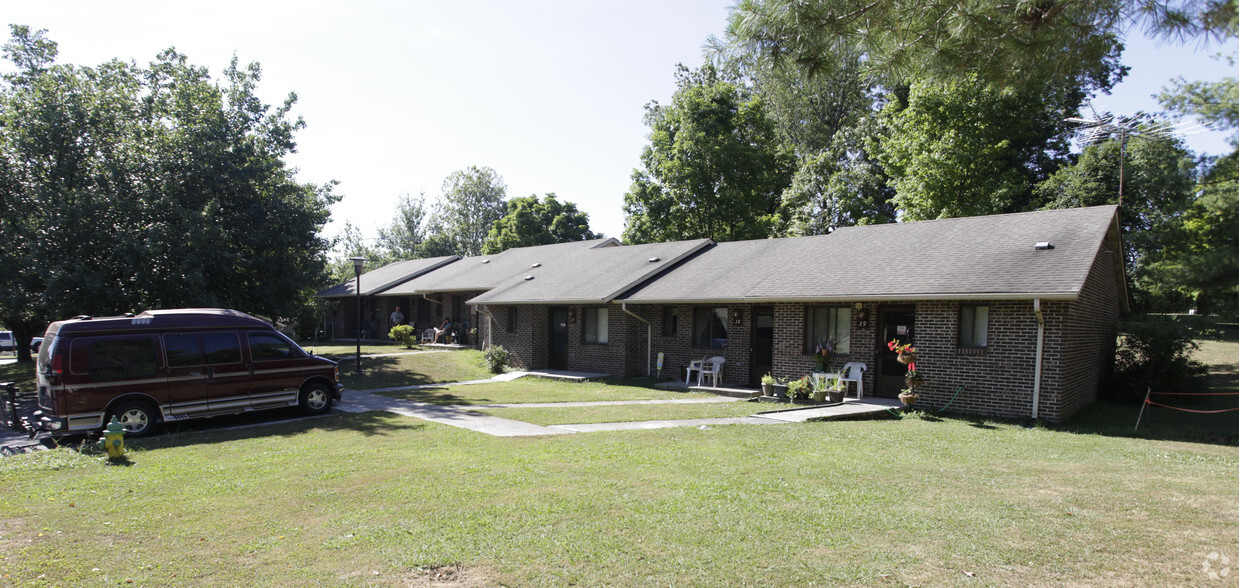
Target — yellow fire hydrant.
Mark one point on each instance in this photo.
(113, 440)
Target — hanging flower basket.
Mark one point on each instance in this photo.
(906, 358)
(908, 398)
(914, 382)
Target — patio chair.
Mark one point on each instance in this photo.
(693, 366)
(853, 372)
(428, 336)
(713, 367)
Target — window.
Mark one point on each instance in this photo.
(266, 347)
(423, 311)
(512, 314)
(670, 321)
(182, 350)
(973, 326)
(125, 358)
(710, 327)
(221, 348)
(595, 325)
(827, 327)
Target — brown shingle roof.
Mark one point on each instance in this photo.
(973, 257)
(589, 276)
(484, 272)
(379, 280)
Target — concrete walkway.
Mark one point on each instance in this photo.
(463, 415)
(849, 408)
(357, 401)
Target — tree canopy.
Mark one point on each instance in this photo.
(126, 187)
(1002, 42)
(530, 221)
(714, 167)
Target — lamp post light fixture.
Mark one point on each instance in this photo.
(357, 263)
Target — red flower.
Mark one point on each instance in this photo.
(912, 367)
(891, 345)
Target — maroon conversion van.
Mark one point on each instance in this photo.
(171, 365)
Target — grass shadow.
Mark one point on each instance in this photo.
(369, 424)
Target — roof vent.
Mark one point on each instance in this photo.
(537, 265)
(485, 261)
(654, 259)
(527, 278)
(1043, 245)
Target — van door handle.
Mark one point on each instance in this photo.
(210, 372)
(250, 366)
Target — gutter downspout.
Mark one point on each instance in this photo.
(490, 324)
(649, 337)
(1036, 399)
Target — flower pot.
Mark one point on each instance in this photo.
(767, 389)
(835, 396)
(906, 358)
(908, 399)
(914, 382)
(780, 390)
(819, 396)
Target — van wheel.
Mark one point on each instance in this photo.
(137, 418)
(315, 398)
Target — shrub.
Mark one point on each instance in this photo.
(1156, 351)
(404, 334)
(496, 358)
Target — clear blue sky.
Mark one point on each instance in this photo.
(397, 95)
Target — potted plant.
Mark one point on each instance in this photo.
(834, 389)
(913, 378)
(907, 353)
(780, 388)
(821, 354)
(908, 396)
(799, 389)
(767, 385)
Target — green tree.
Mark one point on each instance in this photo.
(1159, 177)
(124, 188)
(1216, 102)
(472, 200)
(1002, 42)
(1201, 260)
(963, 148)
(402, 239)
(530, 221)
(714, 167)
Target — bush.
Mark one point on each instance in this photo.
(496, 358)
(404, 334)
(1156, 351)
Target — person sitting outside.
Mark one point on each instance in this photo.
(443, 329)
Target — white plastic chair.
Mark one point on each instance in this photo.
(428, 336)
(713, 367)
(693, 366)
(854, 372)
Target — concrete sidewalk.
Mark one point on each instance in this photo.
(356, 401)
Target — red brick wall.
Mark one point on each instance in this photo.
(1091, 333)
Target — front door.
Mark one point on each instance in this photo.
(898, 324)
(558, 356)
(762, 360)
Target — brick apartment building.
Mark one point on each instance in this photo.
(1013, 315)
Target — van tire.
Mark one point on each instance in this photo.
(315, 398)
(138, 418)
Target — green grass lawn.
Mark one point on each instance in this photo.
(625, 413)
(530, 389)
(420, 368)
(335, 350)
(377, 499)
(21, 373)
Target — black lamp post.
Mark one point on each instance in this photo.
(357, 261)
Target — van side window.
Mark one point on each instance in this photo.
(221, 348)
(182, 350)
(268, 347)
(124, 358)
